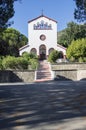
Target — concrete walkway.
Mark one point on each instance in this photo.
(43, 106)
(43, 72)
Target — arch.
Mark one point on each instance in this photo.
(42, 52)
(50, 50)
(34, 51)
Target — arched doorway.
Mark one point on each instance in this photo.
(42, 52)
(34, 51)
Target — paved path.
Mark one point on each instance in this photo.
(43, 72)
(43, 106)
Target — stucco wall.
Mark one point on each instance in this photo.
(16, 76)
(69, 71)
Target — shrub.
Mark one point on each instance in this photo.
(10, 62)
(53, 56)
(1, 67)
(72, 59)
(26, 55)
(80, 60)
(84, 59)
(77, 49)
(21, 63)
(29, 56)
(34, 63)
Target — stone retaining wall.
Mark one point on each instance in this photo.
(69, 71)
(16, 76)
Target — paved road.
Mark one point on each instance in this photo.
(54, 105)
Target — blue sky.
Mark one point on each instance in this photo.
(59, 10)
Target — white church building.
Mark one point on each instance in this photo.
(42, 37)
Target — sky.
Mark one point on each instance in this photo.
(26, 10)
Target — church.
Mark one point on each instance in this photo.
(42, 37)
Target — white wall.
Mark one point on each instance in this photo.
(34, 35)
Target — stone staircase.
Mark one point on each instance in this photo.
(44, 72)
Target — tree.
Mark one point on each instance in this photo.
(80, 11)
(53, 56)
(6, 12)
(72, 32)
(10, 42)
(77, 49)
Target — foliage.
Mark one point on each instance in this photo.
(29, 56)
(80, 60)
(11, 62)
(1, 67)
(32, 58)
(53, 56)
(6, 12)
(80, 11)
(10, 42)
(8, 62)
(22, 63)
(72, 32)
(77, 49)
(34, 63)
(27, 61)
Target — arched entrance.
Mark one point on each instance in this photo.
(42, 52)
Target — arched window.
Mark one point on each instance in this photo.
(34, 51)
(50, 50)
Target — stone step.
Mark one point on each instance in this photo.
(43, 73)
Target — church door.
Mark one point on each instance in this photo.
(42, 52)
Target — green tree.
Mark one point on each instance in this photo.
(10, 42)
(53, 56)
(81, 33)
(77, 49)
(6, 12)
(72, 32)
(80, 11)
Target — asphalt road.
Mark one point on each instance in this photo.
(55, 105)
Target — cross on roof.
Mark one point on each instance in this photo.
(42, 11)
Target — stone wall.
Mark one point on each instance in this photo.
(69, 66)
(16, 76)
(69, 71)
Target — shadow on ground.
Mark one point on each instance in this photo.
(34, 104)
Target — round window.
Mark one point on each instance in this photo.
(42, 37)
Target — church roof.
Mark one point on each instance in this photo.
(23, 47)
(61, 46)
(40, 17)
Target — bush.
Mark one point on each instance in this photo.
(72, 59)
(34, 63)
(80, 60)
(53, 56)
(22, 63)
(26, 55)
(1, 67)
(10, 62)
(84, 59)
(29, 56)
(77, 49)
